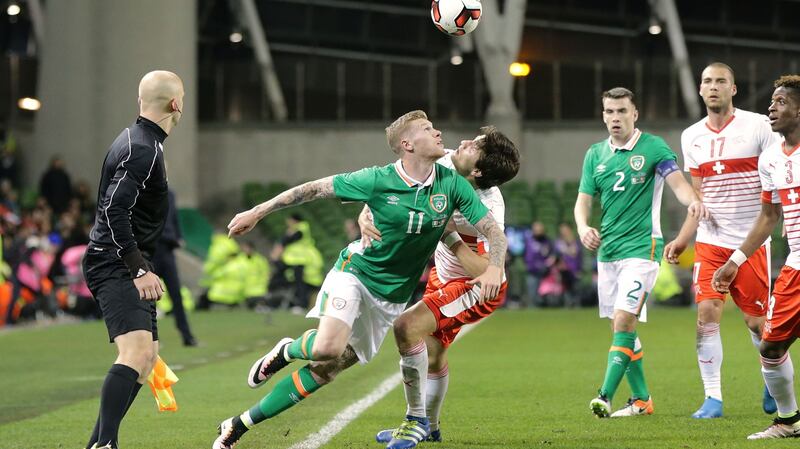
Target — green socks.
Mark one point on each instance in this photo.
(288, 392)
(301, 348)
(635, 375)
(619, 357)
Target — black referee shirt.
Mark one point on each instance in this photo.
(132, 200)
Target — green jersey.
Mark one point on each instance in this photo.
(630, 181)
(411, 217)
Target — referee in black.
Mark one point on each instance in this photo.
(131, 211)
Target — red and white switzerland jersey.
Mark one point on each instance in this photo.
(779, 168)
(727, 161)
(447, 265)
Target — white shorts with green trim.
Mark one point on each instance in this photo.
(344, 297)
(625, 285)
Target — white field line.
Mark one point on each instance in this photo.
(351, 412)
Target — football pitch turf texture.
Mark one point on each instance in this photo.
(522, 379)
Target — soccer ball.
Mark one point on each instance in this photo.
(456, 17)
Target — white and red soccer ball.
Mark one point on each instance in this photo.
(456, 17)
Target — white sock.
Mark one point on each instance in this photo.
(756, 338)
(436, 390)
(709, 358)
(779, 377)
(246, 419)
(414, 367)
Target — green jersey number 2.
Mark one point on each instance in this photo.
(618, 187)
(415, 217)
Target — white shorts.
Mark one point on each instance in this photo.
(625, 285)
(344, 297)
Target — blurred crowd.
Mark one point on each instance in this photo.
(556, 271)
(44, 234)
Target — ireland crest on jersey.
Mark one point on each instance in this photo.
(439, 202)
(637, 162)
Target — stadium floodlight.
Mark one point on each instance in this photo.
(655, 26)
(455, 56)
(13, 9)
(519, 69)
(29, 104)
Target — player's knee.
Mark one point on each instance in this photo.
(754, 324)
(326, 350)
(772, 351)
(624, 326)
(140, 359)
(403, 328)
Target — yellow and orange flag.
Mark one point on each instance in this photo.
(161, 380)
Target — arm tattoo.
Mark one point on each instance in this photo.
(312, 190)
(497, 240)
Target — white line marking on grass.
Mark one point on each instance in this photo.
(343, 418)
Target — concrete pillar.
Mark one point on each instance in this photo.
(497, 40)
(93, 56)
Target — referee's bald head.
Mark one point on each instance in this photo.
(161, 98)
(158, 89)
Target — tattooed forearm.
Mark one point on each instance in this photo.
(312, 190)
(497, 240)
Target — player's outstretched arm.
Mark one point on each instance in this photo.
(686, 195)
(765, 223)
(243, 222)
(590, 238)
(492, 277)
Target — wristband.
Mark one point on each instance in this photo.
(136, 263)
(451, 239)
(738, 258)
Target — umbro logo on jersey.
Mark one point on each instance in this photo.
(140, 273)
(392, 199)
(601, 168)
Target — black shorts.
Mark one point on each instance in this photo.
(112, 287)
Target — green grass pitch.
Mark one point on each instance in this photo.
(522, 379)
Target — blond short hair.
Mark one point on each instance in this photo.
(397, 130)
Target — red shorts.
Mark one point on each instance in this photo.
(783, 315)
(455, 304)
(750, 288)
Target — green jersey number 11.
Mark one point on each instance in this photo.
(412, 229)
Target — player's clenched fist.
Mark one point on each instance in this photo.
(723, 277)
(590, 238)
(698, 210)
(242, 223)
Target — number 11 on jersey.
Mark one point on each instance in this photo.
(411, 220)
